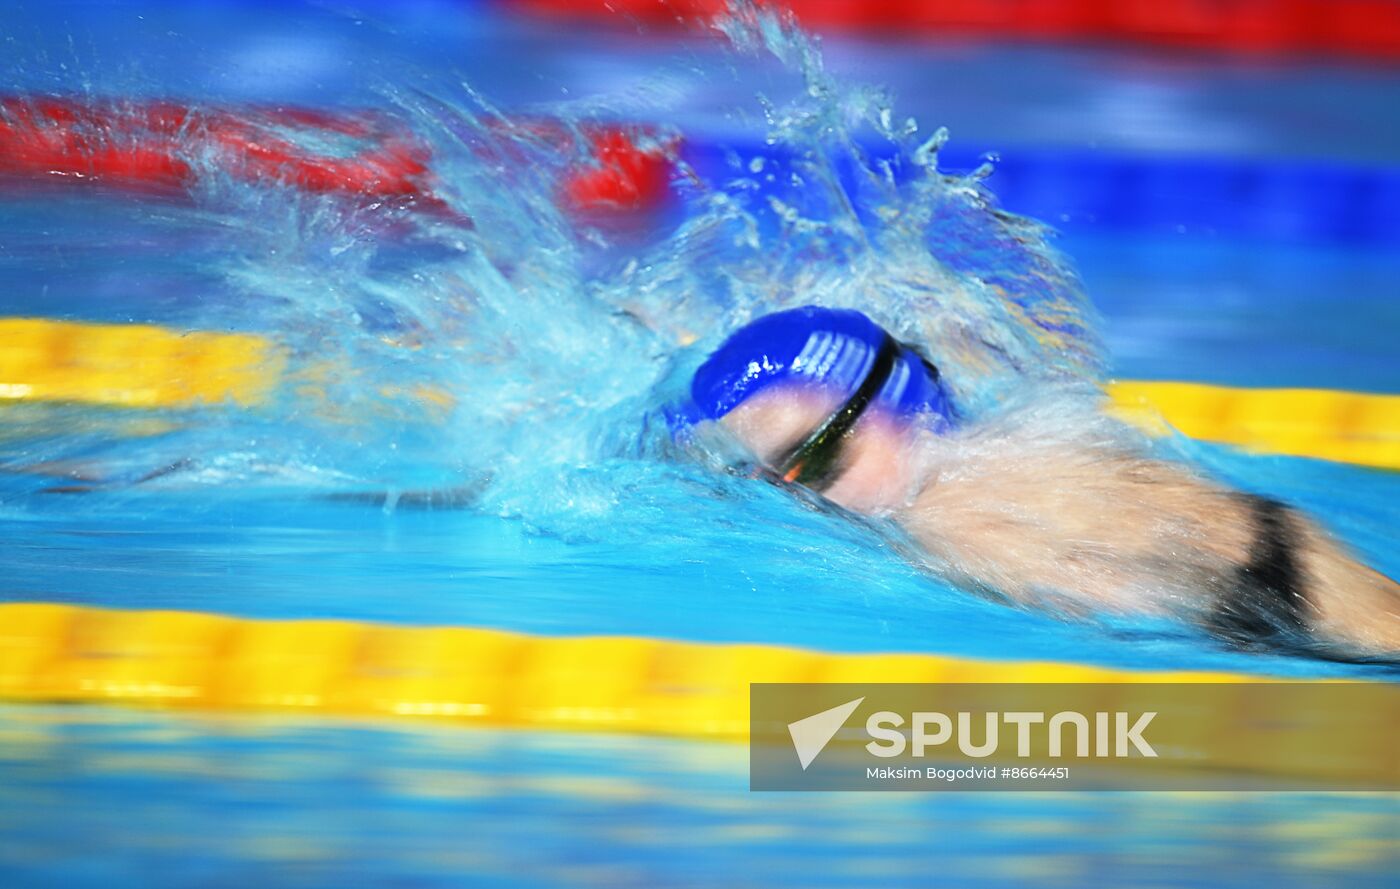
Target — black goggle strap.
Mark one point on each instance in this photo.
(815, 460)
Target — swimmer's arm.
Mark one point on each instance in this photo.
(84, 478)
(1108, 531)
(1351, 603)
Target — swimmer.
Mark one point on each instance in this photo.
(1035, 511)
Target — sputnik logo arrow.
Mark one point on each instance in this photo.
(811, 735)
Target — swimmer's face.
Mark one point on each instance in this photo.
(869, 475)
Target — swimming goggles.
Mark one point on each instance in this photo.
(815, 461)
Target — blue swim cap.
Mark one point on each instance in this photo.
(833, 347)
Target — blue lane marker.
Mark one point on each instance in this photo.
(1268, 198)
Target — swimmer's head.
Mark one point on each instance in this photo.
(795, 385)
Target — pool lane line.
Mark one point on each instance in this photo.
(133, 365)
(1344, 427)
(1284, 200)
(200, 662)
(143, 366)
(1353, 29)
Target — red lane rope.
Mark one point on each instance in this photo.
(158, 147)
(154, 145)
(1362, 28)
(624, 175)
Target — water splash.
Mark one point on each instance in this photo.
(505, 343)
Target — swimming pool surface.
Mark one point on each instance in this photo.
(209, 801)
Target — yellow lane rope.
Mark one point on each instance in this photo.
(469, 676)
(55, 652)
(1346, 427)
(132, 365)
(151, 367)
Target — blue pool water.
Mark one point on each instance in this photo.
(289, 555)
(303, 804)
(583, 529)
